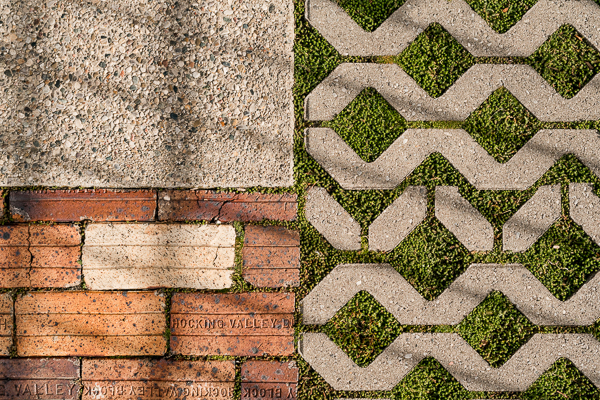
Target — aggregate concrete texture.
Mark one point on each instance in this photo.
(459, 19)
(584, 209)
(464, 153)
(463, 220)
(401, 299)
(456, 356)
(146, 93)
(468, 92)
(331, 220)
(398, 220)
(532, 220)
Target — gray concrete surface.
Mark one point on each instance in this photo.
(464, 153)
(467, 291)
(469, 91)
(331, 220)
(398, 220)
(584, 209)
(532, 220)
(462, 219)
(456, 356)
(146, 93)
(459, 19)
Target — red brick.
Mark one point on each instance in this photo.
(77, 205)
(249, 324)
(157, 379)
(90, 323)
(271, 256)
(6, 323)
(40, 256)
(269, 380)
(39, 378)
(175, 205)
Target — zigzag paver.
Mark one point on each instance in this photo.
(532, 220)
(585, 209)
(464, 153)
(463, 220)
(459, 19)
(456, 356)
(470, 90)
(401, 299)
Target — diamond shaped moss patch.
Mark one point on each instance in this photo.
(496, 329)
(502, 125)
(501, 15)
(370, 14)
(562, 381)
(369, 125)
(363, 328)
(567, 61)
(435, 60)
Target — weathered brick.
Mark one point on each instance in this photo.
(76, 205)
(6, 323)
(41, 378)
(90, 324)
(271, 256)
(142, 256)
(249, 324)
(176, 205)
(266, 380)
(39, 256)
(157, 379)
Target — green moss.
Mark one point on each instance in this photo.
(435, 60)
(501, 15)
(496, 329)
(567, 61)
(562, 381)
(369, 125)
(370, 14)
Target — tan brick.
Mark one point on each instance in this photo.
(178, 205)
(142, 256)
(157, 379)
(269, 380)
(39, 256)
(77, 205)
(271, 256)
(90, 324)
(6, 323)
(39, 378)
(249, 324)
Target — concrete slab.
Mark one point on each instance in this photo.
(149, 93)
(585, 209)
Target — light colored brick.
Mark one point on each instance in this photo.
(90, 323)
(157, 379)
(249, 324)
(141, 256)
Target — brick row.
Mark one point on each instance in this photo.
(111, 379)
(148, 205)
(111, 323)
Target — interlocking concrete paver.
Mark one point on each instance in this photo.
(398, 220)
(178, 205)
(6, 323)
(401, 299)
(157, 379)
(463, 220)
(336, 91)
(533, 219)
(249, 324)
(456, 356)
(463, 152)
(40, 378)
(77, 205)
(331, 220)
(40, 256)
(269, 380)
(584, 209)
(271, 256)
(147, 94)
(141, 256)
(458, 18)
(87, 323)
